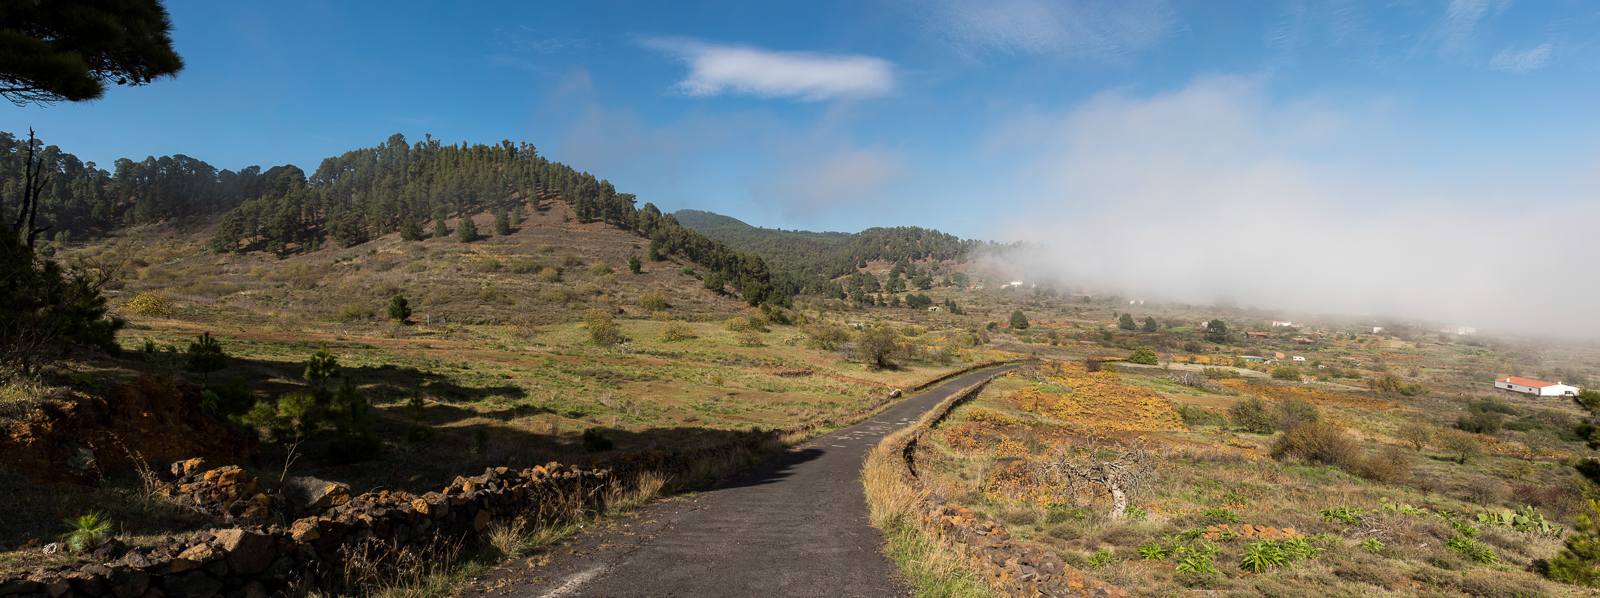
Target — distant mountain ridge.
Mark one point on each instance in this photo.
(803, 256)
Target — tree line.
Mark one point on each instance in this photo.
(350, 199)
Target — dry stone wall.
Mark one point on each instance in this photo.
(1008, 565)
(334, 540)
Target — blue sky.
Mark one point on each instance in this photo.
(1148, 142)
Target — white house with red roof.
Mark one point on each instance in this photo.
(1538, 388)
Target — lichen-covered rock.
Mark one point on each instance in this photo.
(311, 493)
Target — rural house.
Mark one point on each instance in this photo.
(1535, 387)
(1255, 335)
(1459, 330)
(1278, 323)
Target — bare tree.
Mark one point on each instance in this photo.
(1121, 472)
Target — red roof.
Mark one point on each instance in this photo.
(1529, 382)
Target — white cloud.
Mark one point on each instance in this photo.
(1081, 29)
(1215, 190)
(715, 69)
(1521, 61)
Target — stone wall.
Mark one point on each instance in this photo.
(1010, 566)
(334, 540)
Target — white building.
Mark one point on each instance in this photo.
(1459, 330)
(1277, 323)
(1537, 388)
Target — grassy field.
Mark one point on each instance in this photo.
(497, 367)
(1389, 519)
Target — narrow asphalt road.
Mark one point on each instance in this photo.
(794, 525)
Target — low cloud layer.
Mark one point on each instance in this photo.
(716, 69)
(1216, 191)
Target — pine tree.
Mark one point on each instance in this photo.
(399, 309)
(322, 365)
(1019, 321)
(410, 230)
(440, 230)
(466, 231)
(502, 223)
(205, 356)
(1126, 322)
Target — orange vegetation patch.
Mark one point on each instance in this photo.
(1503, 448)
(1316, 395)
(1098, 402)
(1204, 359)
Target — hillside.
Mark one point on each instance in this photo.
(830, 255)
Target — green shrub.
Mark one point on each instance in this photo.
(603, 330)
(525, 266)
(1461, 446)
(1320, 442)
(1294, 412)
(599, 268)
(1286, 372)
(1254, 415)
(1388, 467)
(676, 331)
(750, 338)
(1144, 356)
(1471, 549)
(354, 311)
(87, 532)
(1392, 383)
(1480, 422)
(594, 441)
(548, 275)
(653, 302)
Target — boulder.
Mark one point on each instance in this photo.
(192, 585)
(249, 552)
(312, 493)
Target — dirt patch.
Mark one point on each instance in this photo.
(156, 418)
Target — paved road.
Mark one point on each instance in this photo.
(795, 525)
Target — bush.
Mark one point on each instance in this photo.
(1254, 415)
(653, 302)
(676, 331)
(1392, 383)
(399, 309)
(1296, 412)
(599, 268)
(549, 275)
(826, 337)
(1416, 433)
(487, 266)
(1143, 355)
(1287, 372)
(594, 441)
(1480, 422)
(1461, 446)
(524, 266)
(603, 330)
(354, 311)
(1320, 442)
(150, 304)
(1388, 467)
(750, 338)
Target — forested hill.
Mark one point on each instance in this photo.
(350, 199)
(829, 254)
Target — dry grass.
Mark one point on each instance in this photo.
(928, 563)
